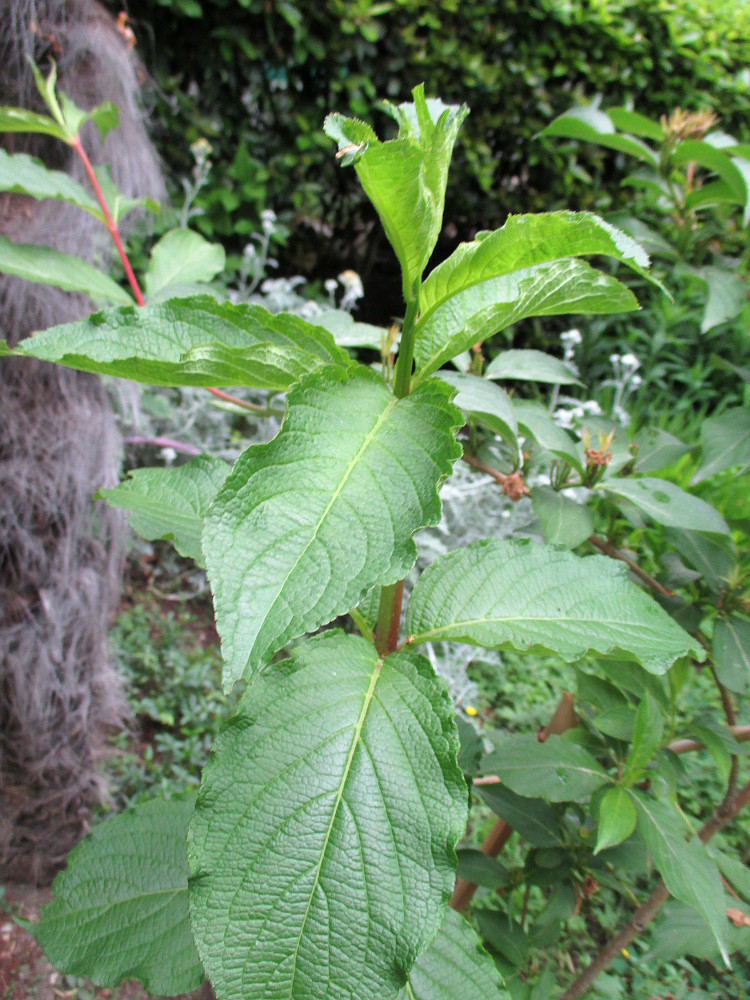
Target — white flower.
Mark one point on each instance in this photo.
(630, 362)
(571, 337)
(592, 407)
(268, 220)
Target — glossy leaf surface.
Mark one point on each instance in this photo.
(617, 818)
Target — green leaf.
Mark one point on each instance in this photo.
(182, 257)
(533, 819)
(322, 845)
(667, 504)
(194, 341)
(563, 520)
(473, 866)
(617, 818)
(52, 267)
(22, 174)
(21, 120)
(556, 770)
(535, 421)
(298, 534)
(455, 967)
(479, 311)
(405, 179)
(505, 935)
(119, 204)
(517, 595)
(656, 449)
(347, 332)
(636, 124)
(710, 555)
(727, 296)
(486, 402)
(725, 443)
(713, 159)
(120, 909)
(679, 931)
(591, 125)
(171, 503)
(531, 366)
(731, 652)
(713, 193)
(688, 872)
(647, 737)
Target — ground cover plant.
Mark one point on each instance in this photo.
(319, 855)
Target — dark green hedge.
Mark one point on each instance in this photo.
(256, 77)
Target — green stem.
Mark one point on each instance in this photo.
(402, 383)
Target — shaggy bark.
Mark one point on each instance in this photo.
(60, 554)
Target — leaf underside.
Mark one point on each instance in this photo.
(322, 846)
(307, 524)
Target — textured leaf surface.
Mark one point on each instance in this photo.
(486, 402)
(168, 344)
(688, 871)
(517, 595)
(617, 818)
(556, 770)
(564, 521)
(667, 504)
(51, 267)
(479, 311)
(405, 179)
(322, 846)
(731, 650)
(307, 524)
(182, 257)
(725, 442)
(23, 174)
(120, 909)
(171, 503)
(531, 366)
(455, 967)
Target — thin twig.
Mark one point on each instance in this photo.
(608, 549)
(563, 718)
(729, 807)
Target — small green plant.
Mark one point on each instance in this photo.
(321, 848)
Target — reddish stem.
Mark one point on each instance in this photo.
(109, 221)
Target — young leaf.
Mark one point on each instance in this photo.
(725, 443)
(731, 652)
(636, 124)
(667, 504)
(455, 967)
(119, 204)
(52, 267)
(479, 311)
(517, 595)
(21, 120)
(617, 818)
(688, 871)
(556, 770)
(563, 520)
(193, 341)
(486, 402)
(405, 179)
(298, 534)
(182, 257)
(171, 503)
(22, 174)
(531, 366)
(533, 818)
(120, 909)
(322, 845)
(647, 736)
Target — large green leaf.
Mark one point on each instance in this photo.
(307, 524)
(686, 867)
(405, 179)
(589, 124)
(193, 341)
(486, 402)
(531, 366)
(479, 311)
(322, 846)
(563, 520)
(725, 443)
(517, 595)
(455, 967)
(120, 909)
(556, 770)
(667, 504)
(23, 174)
(182, 257)
(52, 267)
(731, 652)
(171, 503)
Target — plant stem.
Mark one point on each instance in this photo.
(725, 812)
(109, 221)
(608, 549)
(402, 382)
(389, 618)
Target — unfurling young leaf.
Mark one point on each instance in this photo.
(617, 818)
(647, 736)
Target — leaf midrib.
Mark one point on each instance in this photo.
(428, 636)
(334, 812)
